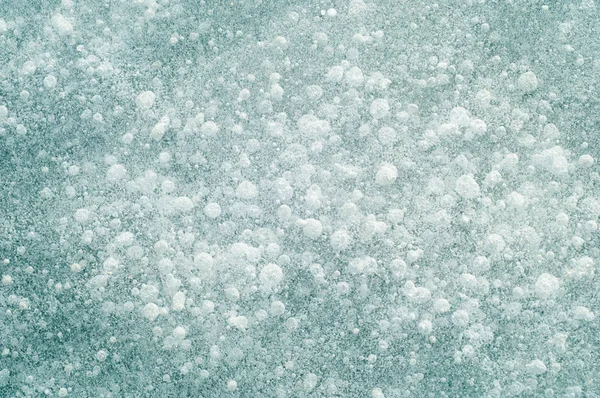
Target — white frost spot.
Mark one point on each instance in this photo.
(28, 68)
(183, 204)
(246, 190)
(160, 128)
(310, 381)
(313, 127)
(335, 74)
(145, 100)
(386, 175)
(581, 268)
(583, 313)
(362, 265)
(204, 261)
(441, 305)
(546, 286)
(377, 393)
(239, 322)
(124, 239)
(116, 172)
(312, 228)
(62, 25)
(355, 77)
(82, 216)
(50, 81)
(356, 7)
(178, 301)
(209, 128)
(232, 385)
(212, 210)
(151, 311)
(553, 160)
(460, 318)
(380, 108)
(270, 276)
(280, 42)
(340, 240)
(536, 367)
(527, 82)
(467, 187)
(585, 161)
(314, 92)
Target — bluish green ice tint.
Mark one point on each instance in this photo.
(357, 198)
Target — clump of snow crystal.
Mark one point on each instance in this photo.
(268, 199)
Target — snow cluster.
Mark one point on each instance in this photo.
(349, 198)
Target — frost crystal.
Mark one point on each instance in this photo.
(252, 198)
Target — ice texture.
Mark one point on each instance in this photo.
(333, 198)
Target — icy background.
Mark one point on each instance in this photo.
(334, 198)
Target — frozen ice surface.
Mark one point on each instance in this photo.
(333, 198)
